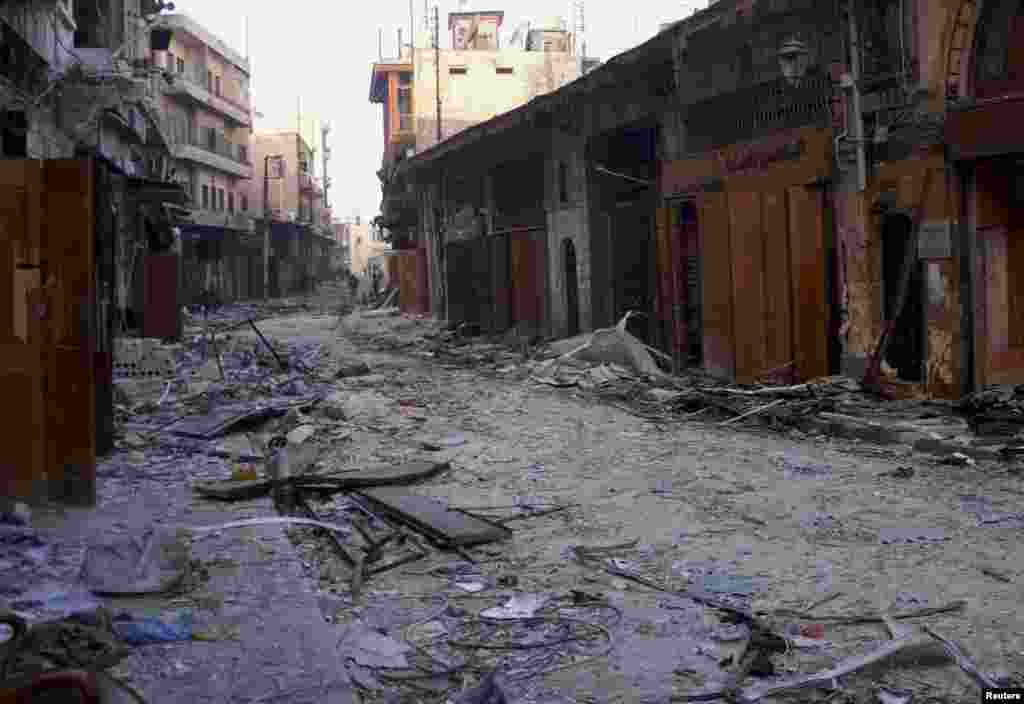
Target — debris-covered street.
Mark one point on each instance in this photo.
(602, 541)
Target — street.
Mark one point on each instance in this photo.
(758, 519)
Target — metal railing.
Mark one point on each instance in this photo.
(179, 131)
(197, 75)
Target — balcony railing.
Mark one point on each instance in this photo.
(197, 75)
(305, 181)
(213, 141)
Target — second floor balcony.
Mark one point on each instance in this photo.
(209, 147)
(197, 83)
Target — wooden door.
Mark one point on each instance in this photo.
(69, 266)
(48, 333)
(22, 462)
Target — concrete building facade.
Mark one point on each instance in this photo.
(208, 116)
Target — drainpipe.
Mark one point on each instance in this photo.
(858, 117)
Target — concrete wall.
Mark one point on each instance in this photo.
(284, 192)
(481, 93)
(363, 246)
(568, 220)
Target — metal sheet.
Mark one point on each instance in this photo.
(425, 514)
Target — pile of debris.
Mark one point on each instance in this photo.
(995, 411)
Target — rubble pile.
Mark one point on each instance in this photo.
(995, 411)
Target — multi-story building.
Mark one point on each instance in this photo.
(208, 118)
(284, 168)
(477, 80)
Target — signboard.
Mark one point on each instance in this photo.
(935, 241)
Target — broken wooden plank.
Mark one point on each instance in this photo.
(407, 473)
(960, 656)
(449, 527)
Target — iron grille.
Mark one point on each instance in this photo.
(766, 107)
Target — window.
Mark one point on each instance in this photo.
(505, 70)
(231, 202)
(216, 85)
(206, 197)
(220, 199)
(458, 70)
(13, 134)
(245, 203)
(170, 62)
(181, 65)
(243, 153)
(563, 182)
(209, 80)
(404, 101)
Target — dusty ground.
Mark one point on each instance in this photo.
(807, 517)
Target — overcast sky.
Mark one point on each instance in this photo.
(322, 51)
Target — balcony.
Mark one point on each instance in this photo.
(209, 148)
(193, 84)
(234, 221)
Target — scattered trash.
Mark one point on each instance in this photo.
(153, 630)
(487, 692)
(352, 369)
(301, 434)
(898, 473)
(730, 584)
(995, 574)
(18, 515)
(910, 536)
(374, 650)
(55, 604)
(519, 606)
(801, 468)
(244, 473)
(958, 459)
(890, 695)
(472, 587)
(158, 561)
(446, 443)
(813, 630)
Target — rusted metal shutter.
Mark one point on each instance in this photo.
(717, 288)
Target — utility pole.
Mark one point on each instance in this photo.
(324, 131)
(437, 68)
(412, 25)
(266, 222)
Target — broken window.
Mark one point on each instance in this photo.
(216, 85)
(206, 197)
(231, 202)
(506, 70)
(220, 199)
(245, 203)
(458, 70)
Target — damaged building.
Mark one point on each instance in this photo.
(779, 191)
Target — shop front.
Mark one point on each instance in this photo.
(744, 251)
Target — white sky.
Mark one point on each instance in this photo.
(322, 51)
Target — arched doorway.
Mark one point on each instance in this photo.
(905, 352)
(572, 292)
